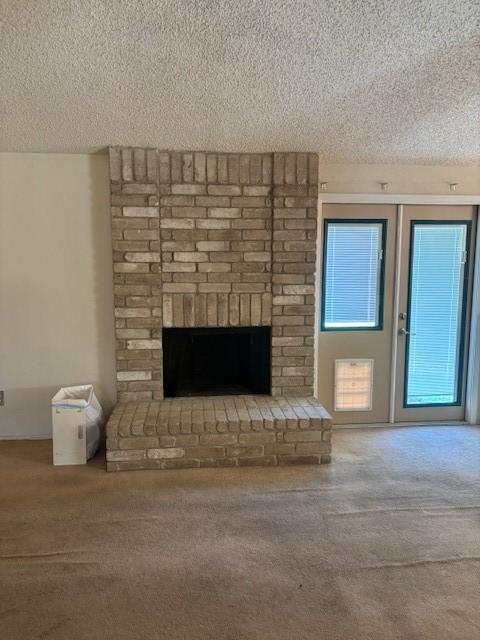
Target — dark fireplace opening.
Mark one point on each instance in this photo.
(216, 361)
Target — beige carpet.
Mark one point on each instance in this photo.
(383, 543)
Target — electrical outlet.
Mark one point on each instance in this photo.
(2, 398)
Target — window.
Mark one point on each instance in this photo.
(353, 274)
(436, 316)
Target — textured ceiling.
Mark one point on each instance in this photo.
(355, 80)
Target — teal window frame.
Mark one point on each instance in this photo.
(463, 320)
(381, 288)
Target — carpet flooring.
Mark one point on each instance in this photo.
(382, 544)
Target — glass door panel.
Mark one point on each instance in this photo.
(436, 313)
(434, 307)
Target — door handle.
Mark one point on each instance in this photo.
(404, 332)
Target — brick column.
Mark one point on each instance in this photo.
(137, 278)
(295, 192)
(228, 232)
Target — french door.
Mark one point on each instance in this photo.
(395, 306)
(357, 293)
(434, 306)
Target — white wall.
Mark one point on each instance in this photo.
(415, 179)
(56, 300)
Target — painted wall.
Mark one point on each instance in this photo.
(56, 300)
(415, 179)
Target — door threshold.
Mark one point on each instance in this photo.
(390, 425)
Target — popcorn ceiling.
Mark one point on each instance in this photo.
(354, 80)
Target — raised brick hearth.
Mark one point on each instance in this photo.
(221, 431)
(213, 240)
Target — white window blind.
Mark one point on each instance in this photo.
(352, 274)
(435, 312)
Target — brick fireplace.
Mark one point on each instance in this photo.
(211, 241)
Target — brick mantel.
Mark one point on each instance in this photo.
(211, 239)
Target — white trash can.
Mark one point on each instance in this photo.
(76, 419)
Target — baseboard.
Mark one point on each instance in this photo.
(27, 436)
(394, 425)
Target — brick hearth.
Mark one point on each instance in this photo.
(218, 431)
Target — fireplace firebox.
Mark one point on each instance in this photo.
(216, 361)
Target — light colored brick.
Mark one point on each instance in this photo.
(189, 212)
(301, 289)
(144, 344)
(212, 246)
(186, 440)
(178, 310)
(142, 257)
(222, 309)
(212, 201)
(213, 224)
(175, 223)
(285, 300)
(137, 443)
(224, 190)
(212, 305)
(206, 452)
(245, 451)
(125, 376)
(258, 256)
(190, 256)
(132, 313)
(200, 167)
(127, 454)
(127, 164)
(214, 287)
(140, 234)
(188, 189)
(297, 371)
(256, 191)
(221, 439)
(124, 334)
(224, 212)
(256, 309)
(212, 167)
(303, 436)
(170, 245)
(178, 267)
(178, 287)
(290, 168)
(169, 452)
(115, 164)
(130, 267)
(248, 201)
(164, 168)
(140, 212)
(214, 267)
(136, 188)
(256, 438)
